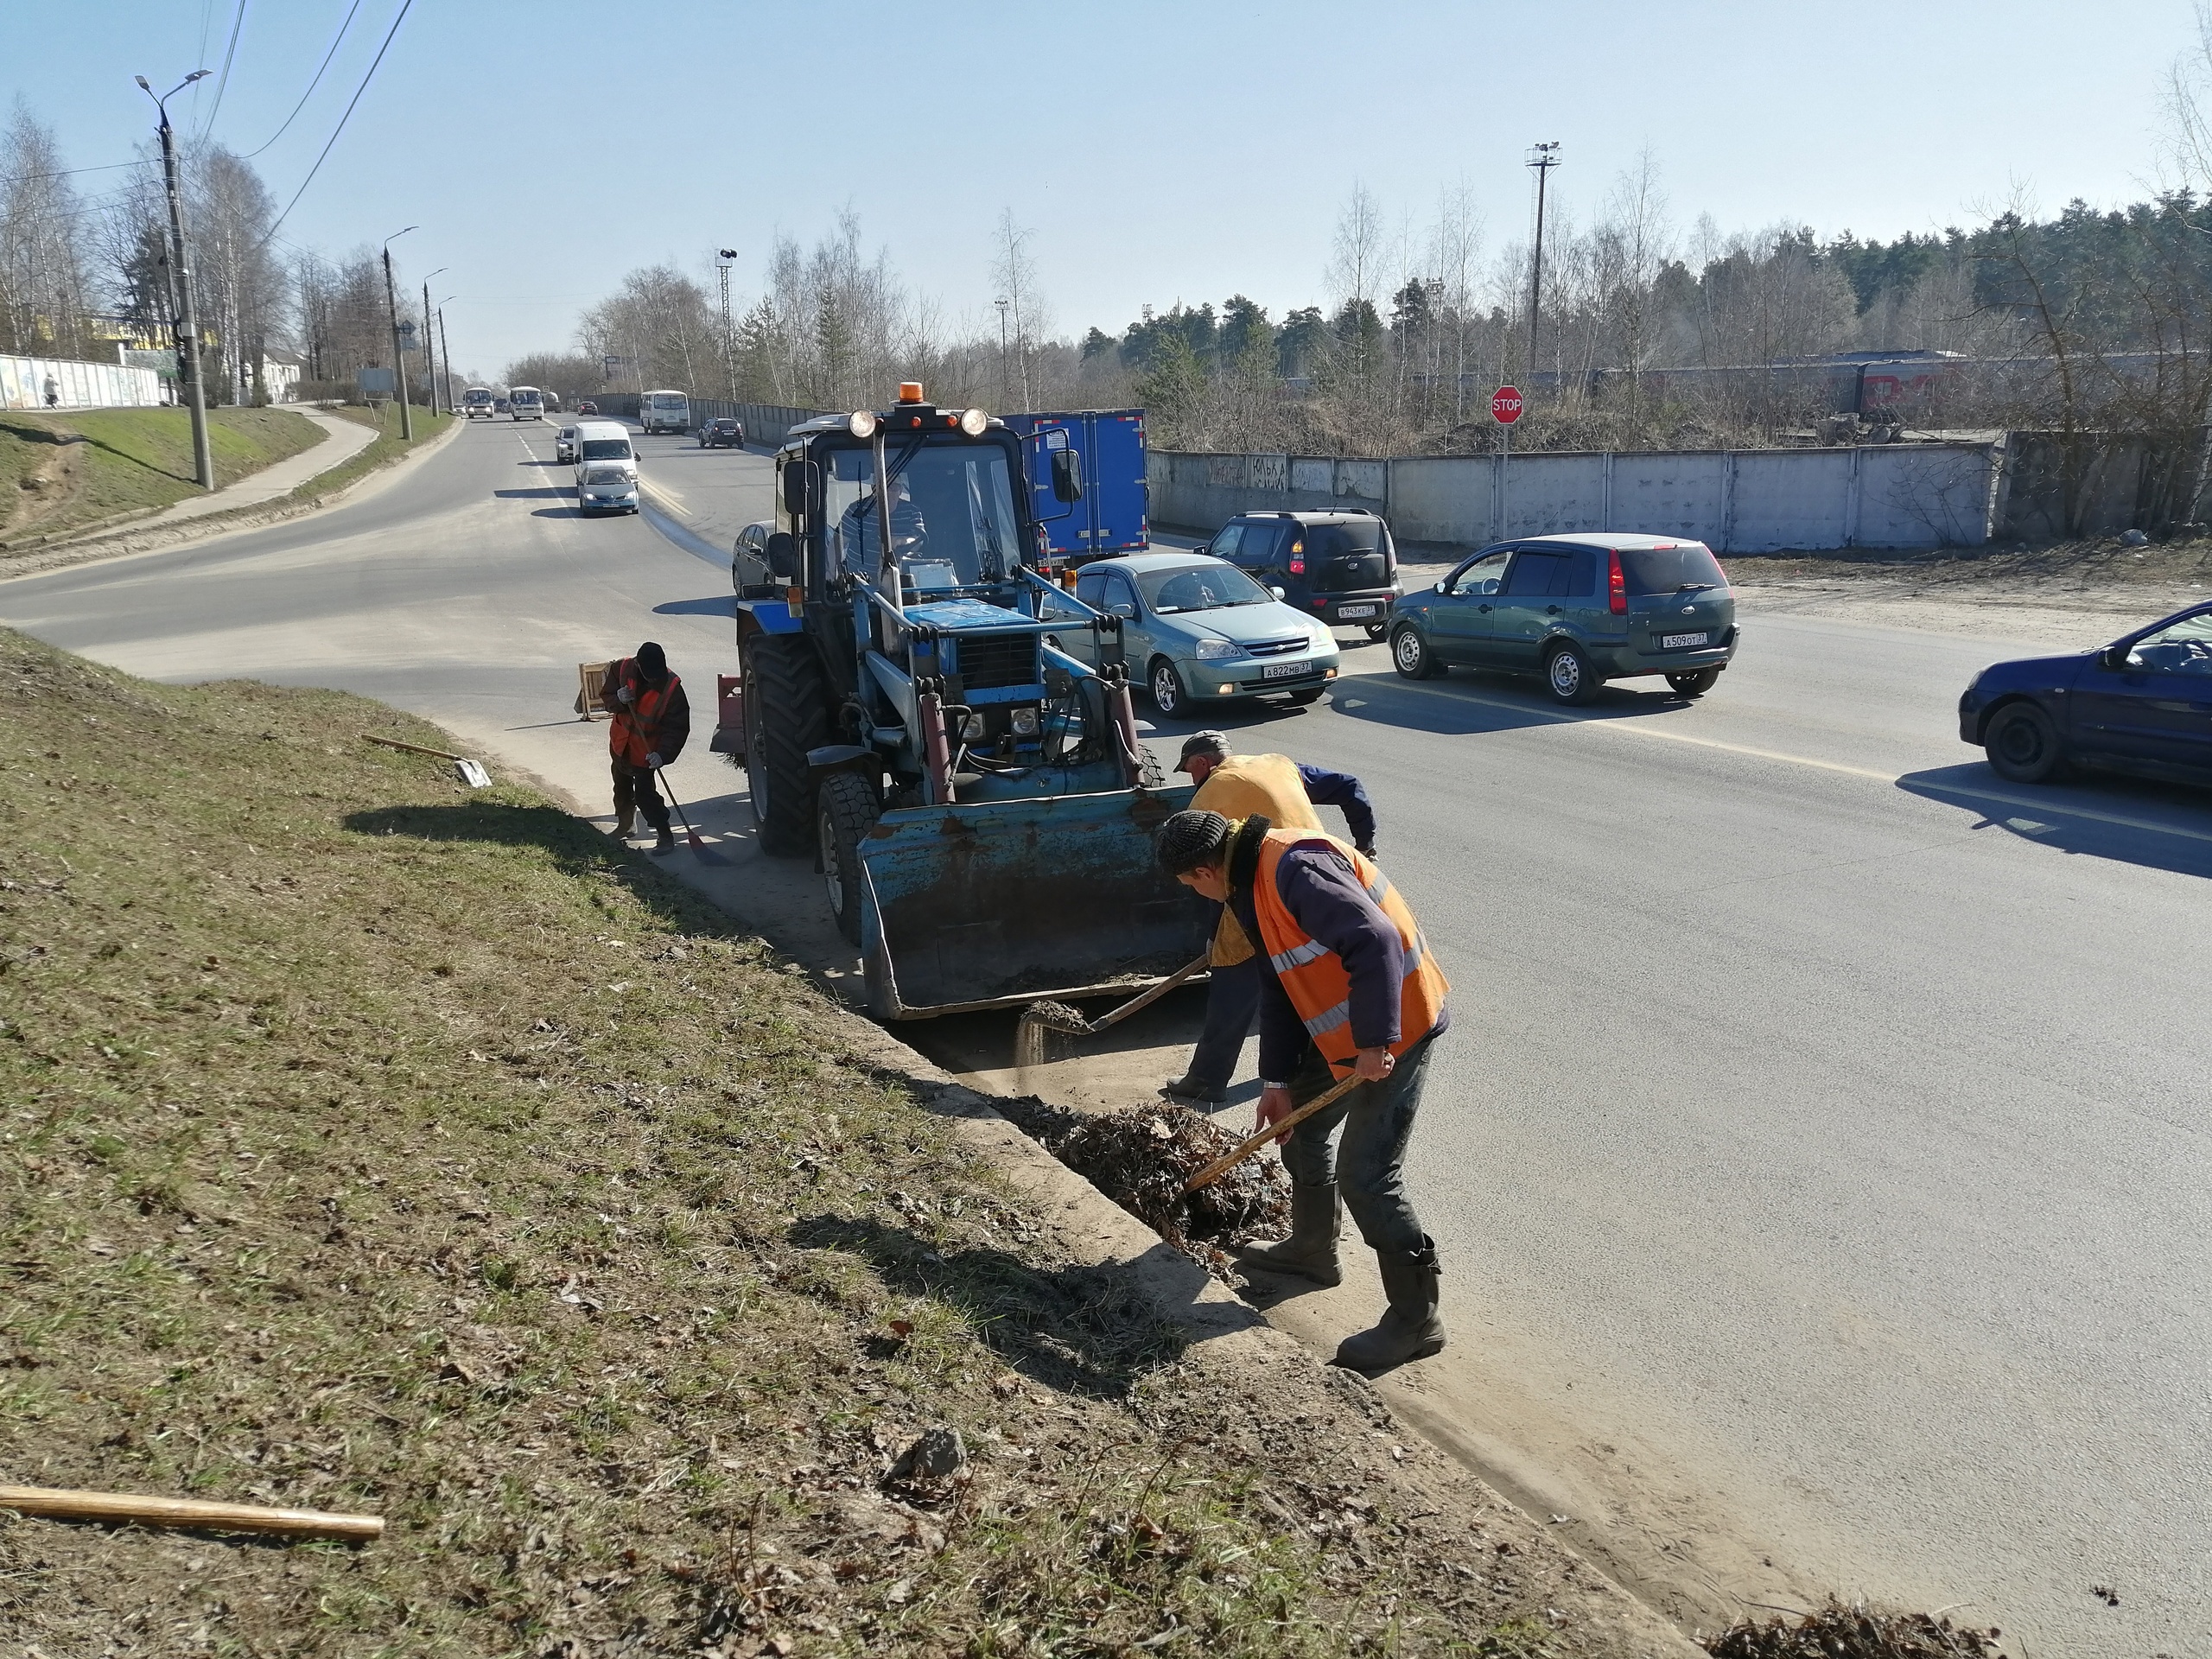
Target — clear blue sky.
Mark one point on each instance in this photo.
(1160, 151)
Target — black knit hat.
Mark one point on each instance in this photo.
(652, 660)
(1190, 839)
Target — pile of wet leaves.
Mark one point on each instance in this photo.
(1840, 1632)
(1142, 1157)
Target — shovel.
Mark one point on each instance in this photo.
(472, 772)
(1061, 1017)
(1228, 1160)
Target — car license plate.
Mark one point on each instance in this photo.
(1680, 641)
(1347, 612)
(1284, 671)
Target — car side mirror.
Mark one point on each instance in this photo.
(783, 556)
(1067, 475)
(1443, 584)
(1277, 591)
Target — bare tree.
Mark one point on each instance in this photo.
(44, 284)
(1015, 273)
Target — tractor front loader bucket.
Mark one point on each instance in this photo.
(1000, 903)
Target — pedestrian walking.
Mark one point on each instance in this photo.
(1348, 988)
(1284, 792)
(53, 390)
(652, 720)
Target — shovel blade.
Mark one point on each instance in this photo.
(472, 774)
(1001, 904)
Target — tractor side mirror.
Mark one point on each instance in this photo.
(1067, 475)
(783, 556)
(798, 481)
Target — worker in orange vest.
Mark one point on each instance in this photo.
(652, 719)
(1348, 988)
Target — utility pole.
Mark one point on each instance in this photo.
(1543, 158)
(187, 330)
(399, 361)
(429, 349)
(445, 351)
(722, 258)
(1006, 376)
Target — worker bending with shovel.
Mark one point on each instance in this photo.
(1284, 792)
(652, 720)
(1347, 988)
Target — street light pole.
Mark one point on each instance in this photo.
(187, 333)
(1543, 158)
(722, 258)
(399, 361)
(430, 351)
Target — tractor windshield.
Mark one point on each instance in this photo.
(952, 523)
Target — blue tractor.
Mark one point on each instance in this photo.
(976, 798)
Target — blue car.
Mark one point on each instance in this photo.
(2141, 704)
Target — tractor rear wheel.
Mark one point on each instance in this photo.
(786, 713)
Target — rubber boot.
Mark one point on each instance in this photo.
(624, 821)
(1311, 1251)
(1187, 1087)
(1411, 1327)
(664, 841)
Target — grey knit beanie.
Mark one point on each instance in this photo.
(1190, 839)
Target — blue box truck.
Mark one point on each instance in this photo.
(1114, 515)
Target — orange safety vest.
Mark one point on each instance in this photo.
(1313, 976)
(1239, 786)
(636, 728)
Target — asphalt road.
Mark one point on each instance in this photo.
(1820, 1160)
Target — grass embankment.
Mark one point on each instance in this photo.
(59, 472)
(372, 1145)
(388, 448)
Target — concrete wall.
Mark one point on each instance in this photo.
(1743, 501)
(81, 385)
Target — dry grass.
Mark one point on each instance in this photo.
(369, 1144)
(64, 470)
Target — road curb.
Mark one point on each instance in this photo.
(129, 543)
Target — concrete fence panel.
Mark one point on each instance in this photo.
(1447, 500)
(1544, 494)
(1362, 483)
(1789, 499)
(76, 386)
(1924, 496)
(1310, 476)
(1667, 494)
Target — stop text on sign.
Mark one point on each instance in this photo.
(1505, 406)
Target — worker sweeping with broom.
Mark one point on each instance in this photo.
(651, 721)
(1286, 793)
(1347, 989)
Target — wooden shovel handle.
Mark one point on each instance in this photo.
(59, 1505)
(1221, 1166)
(1154, 994)
(411, 748)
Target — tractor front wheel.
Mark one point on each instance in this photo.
(845, 810)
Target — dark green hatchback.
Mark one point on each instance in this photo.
(1576, 610)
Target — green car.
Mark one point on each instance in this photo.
(1197, 630)
(1577, 611)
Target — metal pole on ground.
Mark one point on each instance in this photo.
(1543, 158)
(429, 345)
(445, 351)
(188, 331)
(398, 362)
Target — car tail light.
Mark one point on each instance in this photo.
(1297, 559)
(1616, 586)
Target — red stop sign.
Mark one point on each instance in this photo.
(1505, 406)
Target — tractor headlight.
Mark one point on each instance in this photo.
(1025, 722)
(1214, 651)
(973, 421)
(971, 729)
(861, 424)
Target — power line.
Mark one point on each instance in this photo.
(237, 22)
(312, 84)
(66, 171)
(342, 120)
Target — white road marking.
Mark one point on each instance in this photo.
(1637, 728)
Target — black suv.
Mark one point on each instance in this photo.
(721, 432)
(1340, 567)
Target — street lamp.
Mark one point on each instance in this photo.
(187, 328)
(722, 258)
(429, 353)
(398, 362)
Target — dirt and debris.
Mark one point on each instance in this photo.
(1141, 1158)
(1840, 1632)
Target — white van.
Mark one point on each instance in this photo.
(607, 468)
(664, 411)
